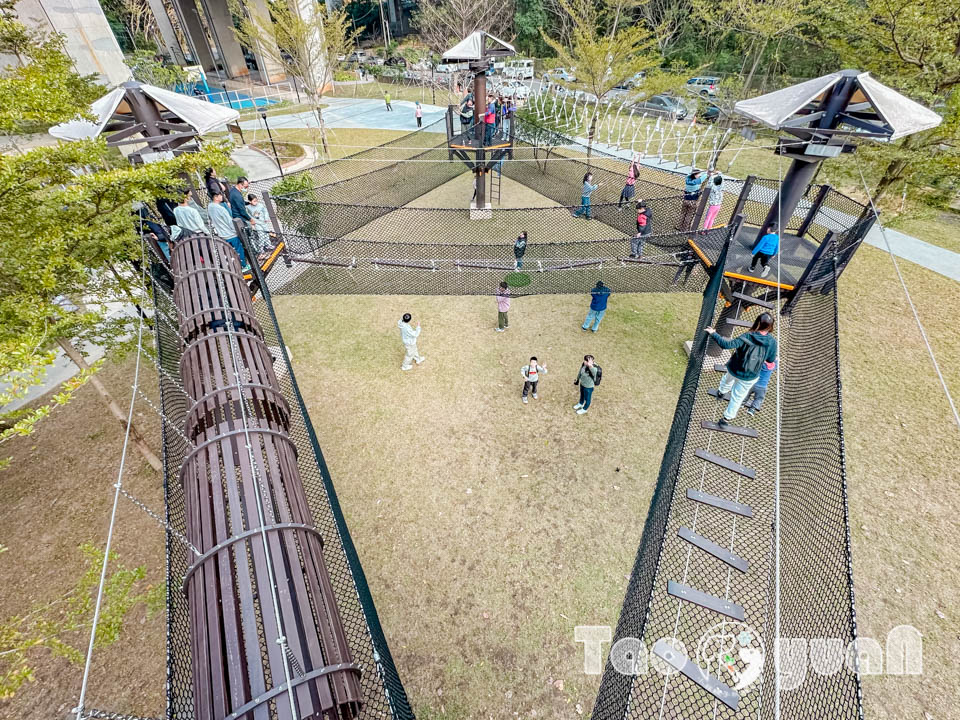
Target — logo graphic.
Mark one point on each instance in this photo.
(734, 649)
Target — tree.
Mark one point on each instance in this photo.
(604, 60)
(149, 68)
(542, 133)
(444, 23)
(756, 23)
(529, 18)
(915, 47)
(303, 40)
(65, 230)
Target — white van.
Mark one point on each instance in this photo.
(519, 70)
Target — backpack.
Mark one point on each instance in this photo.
(642, 219)
(752, 358)
(596, 378)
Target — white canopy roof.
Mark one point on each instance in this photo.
(900, 113)
(471, 47)
(201, 115)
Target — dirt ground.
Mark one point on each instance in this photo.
(55, 495)
(488, 528)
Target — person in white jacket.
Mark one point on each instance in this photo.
(409, 335)
(531, 377)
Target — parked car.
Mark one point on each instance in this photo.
(662, 106)
(512, 88)
(709, 113)
(632, 82)
(358, 56)
(395, 61)
(560, 74)
(705, 86)
(519, 70)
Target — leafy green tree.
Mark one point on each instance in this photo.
(66, 235)
(604, 58)
(60, 627)
(149, 68)
(915, 47)
(309, 44)
(529, 17)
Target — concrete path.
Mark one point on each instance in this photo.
(256, 164)
(363, 113)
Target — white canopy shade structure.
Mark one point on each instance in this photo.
(873, 109)
(138, 113)
(477, 47)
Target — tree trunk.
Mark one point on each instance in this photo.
(756, 64)
(115, 410)
(891, 175)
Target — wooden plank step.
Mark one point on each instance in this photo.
(686, 667)
(712, 548)
(720, 368)
(727, 464)
(718, 502)
(739, 323)
(753, 301)
(705, 600)
(713, 392)
(732, 429)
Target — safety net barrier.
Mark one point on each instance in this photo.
(346, 255)
(712, 587)
(381, 692)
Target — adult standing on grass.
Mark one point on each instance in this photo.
(691, 197)
(519, 248)
(588, 378)
(222, 222)
(531, 377)
(418, 111)
(598, 306)
(503, 306)
(408, 336)
(714, 201)
(588, 189)
(630, 187)
(766, 247)
(752, 352)
(386, 100)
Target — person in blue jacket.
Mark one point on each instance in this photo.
(753, 352)
(767, 246)
(598, 306)
(588, 188)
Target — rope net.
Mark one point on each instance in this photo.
(358, 227)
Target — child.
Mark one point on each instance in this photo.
(630, 187)
(759, 390)
(714, 201)
(260, 220)
(588, 189)
(503, 305)
(519, 248)
(766, 247)
(531, 376)
(386, 100)
(644, 219)
(418, 111)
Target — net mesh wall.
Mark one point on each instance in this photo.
(382, 692)
(346, 251)
(816, 582)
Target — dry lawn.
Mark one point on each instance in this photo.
(57, 494)
(488, 529)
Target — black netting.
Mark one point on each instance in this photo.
(382, 692)
(357, 230)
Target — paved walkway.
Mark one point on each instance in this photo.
(363, 113)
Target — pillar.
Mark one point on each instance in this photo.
(169, 35)
(221, 27)
(271, 70)
(192, 26)
(316, 73)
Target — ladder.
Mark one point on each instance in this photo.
(495, 181)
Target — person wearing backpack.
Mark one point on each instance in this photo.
(598, 306)
(588, 378)
(752, 352)
(531, 377)
(644, 218)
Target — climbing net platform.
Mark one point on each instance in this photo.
(748, 526)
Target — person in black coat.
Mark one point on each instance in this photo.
(214, 184)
